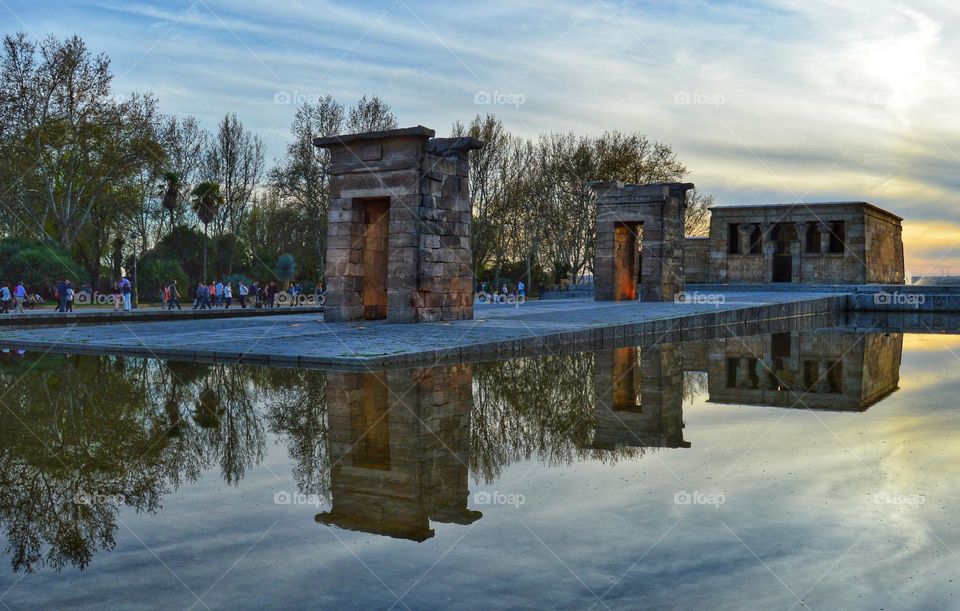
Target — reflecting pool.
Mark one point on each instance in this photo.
(812, 468)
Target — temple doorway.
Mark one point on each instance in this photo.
(374, 244)
(784, 236)
(626, 260)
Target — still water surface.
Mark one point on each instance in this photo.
(812, 468)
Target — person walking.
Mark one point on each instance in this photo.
(211, 294)
(243, 291)
(19, 296)
(5, 298)
(202, 297)
(126, 288)
(61, 295)
(219, 293)
(117, 295)
(69, 297)
(227, 295)
(173, 296)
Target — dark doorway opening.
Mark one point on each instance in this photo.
(782, 267)
(374, 243)
(784, 236)
(626, 261)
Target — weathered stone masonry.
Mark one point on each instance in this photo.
(816, 243)
(398, 235)
(631, 215)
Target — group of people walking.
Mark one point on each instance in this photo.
(519, 289)
(12, 300)
(221, 294)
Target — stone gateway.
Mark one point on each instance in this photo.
(639, 240)
(398, 234)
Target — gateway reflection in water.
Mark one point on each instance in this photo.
(391, 451)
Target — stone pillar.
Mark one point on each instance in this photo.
(824, 229)
(743, 373)
(795, 261)
(769, 248)
(744, 231)
(823, 368)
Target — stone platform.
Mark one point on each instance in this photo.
(497, 332)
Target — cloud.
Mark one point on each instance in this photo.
(764, 100)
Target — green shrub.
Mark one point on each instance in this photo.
(39, 266)
(153, 273)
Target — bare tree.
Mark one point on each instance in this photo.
(371, 115)
(235, 161)
(300, 178)
(697, 222)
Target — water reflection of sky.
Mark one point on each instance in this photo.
(837, 509)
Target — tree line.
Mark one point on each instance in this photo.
(95, 184)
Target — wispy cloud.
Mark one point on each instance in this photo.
(764, 100)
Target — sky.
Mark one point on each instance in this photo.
(764, 101)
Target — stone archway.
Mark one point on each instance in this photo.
(634, 223)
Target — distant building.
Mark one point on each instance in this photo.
(817, 243)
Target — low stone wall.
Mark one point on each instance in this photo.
(31, 320)
(860, 298)
(696, 259)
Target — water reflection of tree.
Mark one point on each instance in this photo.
(295, 401)
(536, 407)
(70, 435)
(82, 436)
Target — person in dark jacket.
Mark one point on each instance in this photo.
(61, 295)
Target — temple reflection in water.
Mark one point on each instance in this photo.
(400, 441)
(809, 370)
(399, 447)
(391, 452)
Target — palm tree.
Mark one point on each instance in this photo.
(171, 194)
(206, 200)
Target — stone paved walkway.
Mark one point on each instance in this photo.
(306, 339)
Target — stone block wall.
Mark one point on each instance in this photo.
(804, 369)
(424, 241)
(696, 257)
(638, 398)
(883, 248)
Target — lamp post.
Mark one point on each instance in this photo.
(136, 290)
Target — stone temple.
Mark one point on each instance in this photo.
(641, 252)
(398, 236)
(816, 243)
